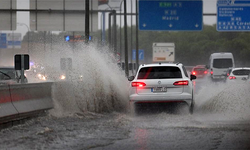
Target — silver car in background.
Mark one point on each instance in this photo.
(161, 83)
(239, 75)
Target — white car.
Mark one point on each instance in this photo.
(161, 83)
(239, 75)
(8, 75)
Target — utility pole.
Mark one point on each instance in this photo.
(137, 37)
(131, 59)
(86, 21)
(115, 38)
(126, 38)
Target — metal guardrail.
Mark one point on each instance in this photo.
(23, 100)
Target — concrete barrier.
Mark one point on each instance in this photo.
(19, 100)
(6, 107)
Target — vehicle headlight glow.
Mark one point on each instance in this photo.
(43, 78)
(62, 77)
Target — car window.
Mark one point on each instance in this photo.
(223, 63)
(165, 72)
(185, 71)
(7, 73)
(241, 72)
(199, 69)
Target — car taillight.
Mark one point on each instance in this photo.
(205, 72)
(138, 84)
(193, 73)
(227, 74)
(232, 77)
(181, 82)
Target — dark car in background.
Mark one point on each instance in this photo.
(8, 75)
(199, 71)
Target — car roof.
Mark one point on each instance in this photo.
(7, 68)
(225, 54)
(160, 64)
(200, 66)
(239, 68)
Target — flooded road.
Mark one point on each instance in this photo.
(220, 121)
(121, 131)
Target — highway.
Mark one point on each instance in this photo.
(220, 121)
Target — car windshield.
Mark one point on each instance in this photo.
(7, 73)
(199, 69)
(223, 63)
(242, 72)
(159, 73)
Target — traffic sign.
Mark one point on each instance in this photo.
(233, 15)
(76, 38)
(141, 54)
(18, 62)
(170, 15)
(3, 40)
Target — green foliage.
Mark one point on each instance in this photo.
(192, 48)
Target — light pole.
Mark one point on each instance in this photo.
(121, 32)
(23, 24)
(131, 59)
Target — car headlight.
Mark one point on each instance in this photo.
(62, 77)
(39, 75)
(44, 78)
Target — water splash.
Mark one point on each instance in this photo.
(95, 83)
(224, 102)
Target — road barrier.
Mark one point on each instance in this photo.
(22, 100)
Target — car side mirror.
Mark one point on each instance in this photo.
(193, 77)
(131, 78)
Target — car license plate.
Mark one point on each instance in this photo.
(159, 89)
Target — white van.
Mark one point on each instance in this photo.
(219, 64)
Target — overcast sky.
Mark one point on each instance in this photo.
(209, 6)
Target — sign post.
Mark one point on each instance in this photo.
(22, 63)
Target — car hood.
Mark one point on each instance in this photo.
(6, 82)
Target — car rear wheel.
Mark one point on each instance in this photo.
(191, 108)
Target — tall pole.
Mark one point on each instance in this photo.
(137, 38)
(121, 32)
(126, 38)
(115, 40)
(103, 28)
(110, 39)
(131, 59)
(86, 21)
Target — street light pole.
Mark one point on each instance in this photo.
(87, 21)
(126, 39)
(131, 49)
(121, 32)
(137, 38)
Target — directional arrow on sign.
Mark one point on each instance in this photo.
(172, 53)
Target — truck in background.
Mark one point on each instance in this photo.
(163, 52)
